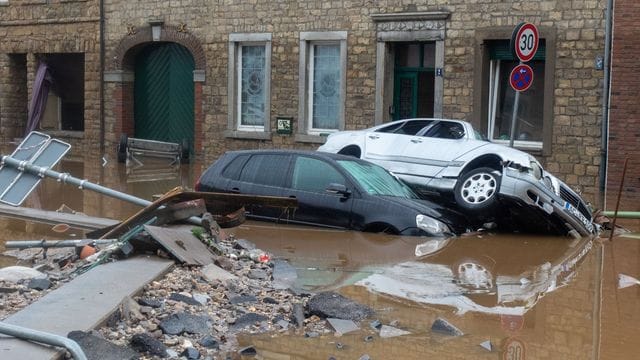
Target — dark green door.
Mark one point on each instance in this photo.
(164, 94)
(405, 95)
(414, 80)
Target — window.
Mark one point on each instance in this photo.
(267, 169)
(322, 83)
(250, 85)
(64, 102)
(314, 175)
(529, 119)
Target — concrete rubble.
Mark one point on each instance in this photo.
(195, 312)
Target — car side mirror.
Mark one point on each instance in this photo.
(335, 188)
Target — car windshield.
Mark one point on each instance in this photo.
(375, 180)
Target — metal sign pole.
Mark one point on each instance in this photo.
(82, 184)
(514, 118)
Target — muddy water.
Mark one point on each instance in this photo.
(530, 297)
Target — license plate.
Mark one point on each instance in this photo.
(573, 211)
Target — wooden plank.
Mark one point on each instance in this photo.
(82, 304)
(182, 244)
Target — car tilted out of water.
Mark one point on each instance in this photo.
(448, 157)
(333, 191)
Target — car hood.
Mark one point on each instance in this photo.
(474, 148)
(455, 220)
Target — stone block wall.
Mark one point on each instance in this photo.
(579, 27)
(32, 28)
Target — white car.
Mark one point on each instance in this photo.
(443, 156)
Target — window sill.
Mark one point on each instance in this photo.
(252, 135)
(316, 139)
(64, 133)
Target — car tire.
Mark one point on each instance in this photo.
(477, 189)
(474, 276)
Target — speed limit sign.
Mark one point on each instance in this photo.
(524, 41)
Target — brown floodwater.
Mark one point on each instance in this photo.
(529, 297)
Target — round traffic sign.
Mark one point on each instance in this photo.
(525, 41)
(521, 77)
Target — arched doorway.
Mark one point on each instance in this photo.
(164, 94)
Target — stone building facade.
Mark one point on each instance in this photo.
(264, 74)
(65, 35)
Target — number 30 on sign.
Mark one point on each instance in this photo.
(524, 41)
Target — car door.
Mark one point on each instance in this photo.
(308, 182)
(266, 175)
(387, 146)
(434, 148)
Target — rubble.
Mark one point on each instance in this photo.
(198, 311)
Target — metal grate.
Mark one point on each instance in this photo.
(572, 198)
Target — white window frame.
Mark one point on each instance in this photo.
(306, 132)
(234, 128)
(494, 78)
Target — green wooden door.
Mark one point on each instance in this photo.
(414, 74)
(163, 104)
(405, 95)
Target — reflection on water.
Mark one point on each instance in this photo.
(532, 297)
(489, 273)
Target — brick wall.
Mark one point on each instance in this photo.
(33, 27)
(624, 115)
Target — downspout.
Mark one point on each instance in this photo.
(102, 52)
(606, 92)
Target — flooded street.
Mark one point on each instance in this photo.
(531, 297)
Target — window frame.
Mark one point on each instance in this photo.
(308, 40)
(481, 83)
(234, 128)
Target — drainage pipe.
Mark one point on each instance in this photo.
(606, 92)
(43, 337)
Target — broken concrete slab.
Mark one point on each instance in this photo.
(182, 244)
(101, 289)
(442, 326)
(15, 274)
(284, 275)
(179, 323)
(387, 331)
(486, 345)
(97, 348)
(343, 326)
(146, 343)
(212, 272)
(333, 305)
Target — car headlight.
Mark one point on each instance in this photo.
(431, 225)
(536, 170)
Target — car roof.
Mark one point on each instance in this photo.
(320, 154)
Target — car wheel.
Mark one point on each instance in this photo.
(474, 276)
(477, 189)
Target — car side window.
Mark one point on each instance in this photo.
(266, 169)
(233, 169)
(446, 130)
(412, 127)
(315, 175)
